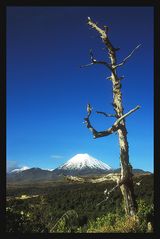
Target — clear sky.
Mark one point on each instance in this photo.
(47, 91)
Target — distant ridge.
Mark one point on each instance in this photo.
(79, 165)
(134, 170)
(32, 174)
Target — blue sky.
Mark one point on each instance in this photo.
(47, 91)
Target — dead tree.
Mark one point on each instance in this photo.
(126, 180)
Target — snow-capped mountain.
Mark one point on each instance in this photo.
(81, 161)
(79, 165)
(83, 164)
(17, 170)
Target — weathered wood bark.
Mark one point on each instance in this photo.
(126, 170)
(126, 181)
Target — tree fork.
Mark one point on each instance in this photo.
(126, 180)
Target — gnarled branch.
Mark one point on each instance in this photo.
(99, 134)
(110, 130)
(94, 61)
(125, 59)
(107, 115)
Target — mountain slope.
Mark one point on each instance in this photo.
(82, 164)
(17, 170)
(81, 161)
(32, 174)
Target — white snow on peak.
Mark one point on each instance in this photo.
(47, 169)
(81, 161)
(17, 170)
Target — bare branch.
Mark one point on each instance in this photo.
(97, 62)
(110, 130)
(95, 133)
(125, 59)
(90, 127)
(90, 64)
(103, 63)
(106, 192)
(107, 115)
(117, 185)
(105, 39)
(127, 114)
(99, 134)
(94, 25)
(89, 109)
(109, 78)
(102, 201)
(91, 55)
(94, 61)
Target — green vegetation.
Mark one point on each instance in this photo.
(119, 223)
(73, 208)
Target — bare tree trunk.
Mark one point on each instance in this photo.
(126, 180)
(127, 188)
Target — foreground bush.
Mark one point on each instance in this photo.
(118, 223)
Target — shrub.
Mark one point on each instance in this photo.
(145, 215)
(120, 223)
